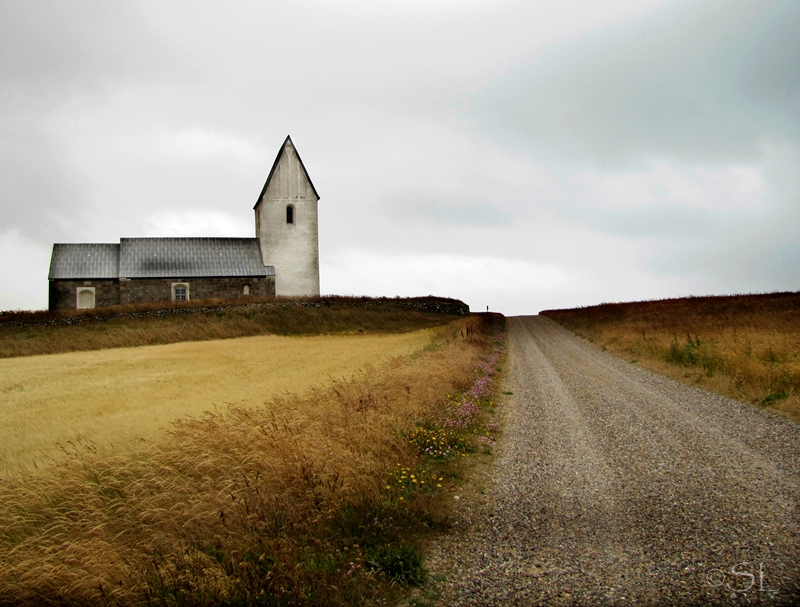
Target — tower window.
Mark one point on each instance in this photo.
(290, 214)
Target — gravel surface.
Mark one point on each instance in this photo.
(614, 485)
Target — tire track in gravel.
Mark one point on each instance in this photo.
(614, 485)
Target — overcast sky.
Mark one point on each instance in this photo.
(516, 154)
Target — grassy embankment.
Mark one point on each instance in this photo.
(743, 346)
(315, 499)
(32, 333)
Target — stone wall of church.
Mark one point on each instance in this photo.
(63, 294)
(141, 290)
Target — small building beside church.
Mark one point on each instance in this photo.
(282, 259)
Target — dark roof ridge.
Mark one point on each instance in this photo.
(116, 244)
(275, 166)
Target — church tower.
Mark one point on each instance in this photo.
(286, 224)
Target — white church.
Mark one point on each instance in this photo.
(283, 258)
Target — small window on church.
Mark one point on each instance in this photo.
(290, 214)
(247, 289)
(180, 291)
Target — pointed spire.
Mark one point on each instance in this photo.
(287, 144)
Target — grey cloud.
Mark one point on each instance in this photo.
(466, 215)
(36, 193)
(49, 50)
(662, 222)
(696, 81)
(96, 99)
(53, 54)
(754, 252)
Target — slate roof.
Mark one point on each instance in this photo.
(275, 166)
(160, 258)
(84, 261)
(190, 257)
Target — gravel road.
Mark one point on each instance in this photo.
(614, 485)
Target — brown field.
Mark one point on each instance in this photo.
(110, 397)
(309, 500)
(743, 346)
(32, 333)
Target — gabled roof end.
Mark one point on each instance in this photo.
(275, 166)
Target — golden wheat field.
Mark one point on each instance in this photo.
(317, 499)
(111, 397)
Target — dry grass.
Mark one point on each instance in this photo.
(286, 504)
(109, 397)
(744, 346)
(33, 333)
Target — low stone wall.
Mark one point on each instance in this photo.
(434, 305)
